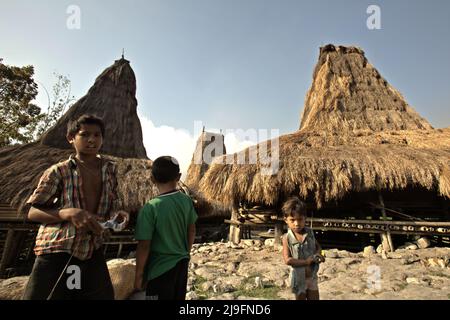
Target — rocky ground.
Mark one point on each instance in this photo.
(255, 270)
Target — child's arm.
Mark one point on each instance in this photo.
(78, 217)
(291, 261)
(142, 253)
(191, 236)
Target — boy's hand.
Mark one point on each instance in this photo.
(139, 283)
(124, 217)
(81, 219)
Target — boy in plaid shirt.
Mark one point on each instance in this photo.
(72, 197)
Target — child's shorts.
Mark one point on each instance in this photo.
(310, 284)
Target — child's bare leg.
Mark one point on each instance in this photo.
(312, 294)
(300, 296)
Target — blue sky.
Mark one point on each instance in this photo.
(230, 63)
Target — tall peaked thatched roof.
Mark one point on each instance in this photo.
(207, 143)
(210, 145)
(357, 134)
(112, 97)
(348, 93)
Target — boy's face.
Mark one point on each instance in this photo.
(88, 140)
(296, 222)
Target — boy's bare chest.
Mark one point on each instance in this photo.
(92, 188)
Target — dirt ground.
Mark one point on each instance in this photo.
(252, 270)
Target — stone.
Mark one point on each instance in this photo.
(333, 254)
(13, 288)
(248, 242)
(122, 273)
(257, 249)
(380, 248)
(269, 242)
(279, 283)
(259, 283)
(368, 251)
(423, 243)
(205, 273)
(191, 295)
(206, 286)
(204, 249)
(412, 280)
(230, 267)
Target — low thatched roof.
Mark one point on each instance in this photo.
(22, 166)
(357, 134)
(112, 97)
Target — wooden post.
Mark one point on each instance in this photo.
(6, 251)
(235, 230)
(386, 239)
(278, 233)
(119, 252)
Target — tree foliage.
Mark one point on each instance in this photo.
(19, 117)
(22, 121)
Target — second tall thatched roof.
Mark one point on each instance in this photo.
(357, 133)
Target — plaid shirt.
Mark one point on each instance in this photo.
(61, 187)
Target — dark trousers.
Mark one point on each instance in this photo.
(94, 280)
(171, 285)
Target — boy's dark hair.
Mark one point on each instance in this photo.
(165, 169)
(294, 206)
(74, 125)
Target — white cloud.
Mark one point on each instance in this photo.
(180, 143)
(167, 141)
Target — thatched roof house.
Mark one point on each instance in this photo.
(112, 97)
(209, 145)
(357, 136)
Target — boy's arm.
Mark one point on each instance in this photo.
(78, 217)
(291, 261)
(191, 236)
(142, 254)
(44, 215)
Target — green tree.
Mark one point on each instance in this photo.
(60, 101)
(19, 117)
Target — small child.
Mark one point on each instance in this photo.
(301, 251)
(165, 231)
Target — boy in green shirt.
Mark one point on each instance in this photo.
(165, 231)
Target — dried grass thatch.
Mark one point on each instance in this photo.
(112, 98)
(22, 166)
(357, 134)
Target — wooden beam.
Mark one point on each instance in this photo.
(6, 251)
(386, 239)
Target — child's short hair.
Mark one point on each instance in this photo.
(165, 169)
(294, 206)
(74, 125)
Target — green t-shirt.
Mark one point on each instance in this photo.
(164, 220)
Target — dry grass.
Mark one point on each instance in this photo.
(22, 166)
(112, 97)
(357, 134)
